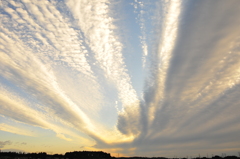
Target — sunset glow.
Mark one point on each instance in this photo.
(129, 77)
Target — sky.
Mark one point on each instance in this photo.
(128, 77)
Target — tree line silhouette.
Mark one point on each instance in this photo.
(67, 155)
(89, 155)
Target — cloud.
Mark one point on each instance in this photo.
(12, 150)
(193, 85)
(141, 19)
(62, 136)
(3, 143)
(31, 63)
(30, 73)
(196, 84)
(27, 71)
(14, 129)
(159, 69)
(57, 69)
(145, 11)
(96, 23)
(19, 110)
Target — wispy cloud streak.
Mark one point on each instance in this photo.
(29, 72)
(196, 82)
(171, 13)
(97, 26)
(63, 68)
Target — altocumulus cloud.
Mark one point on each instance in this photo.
(190, 104)
(63, 67)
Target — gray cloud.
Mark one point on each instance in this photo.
(3, 143)
(12, 150)
(190, 101)
(197, 109)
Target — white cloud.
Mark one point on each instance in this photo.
(192, 87)
(29, 66)
(15, 130)
(62, 136)
(191, 100)
(199, 82)
(97, 25)
(25, 66)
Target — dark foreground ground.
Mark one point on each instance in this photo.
(86, 155)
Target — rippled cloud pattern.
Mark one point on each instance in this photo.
(131, 77)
